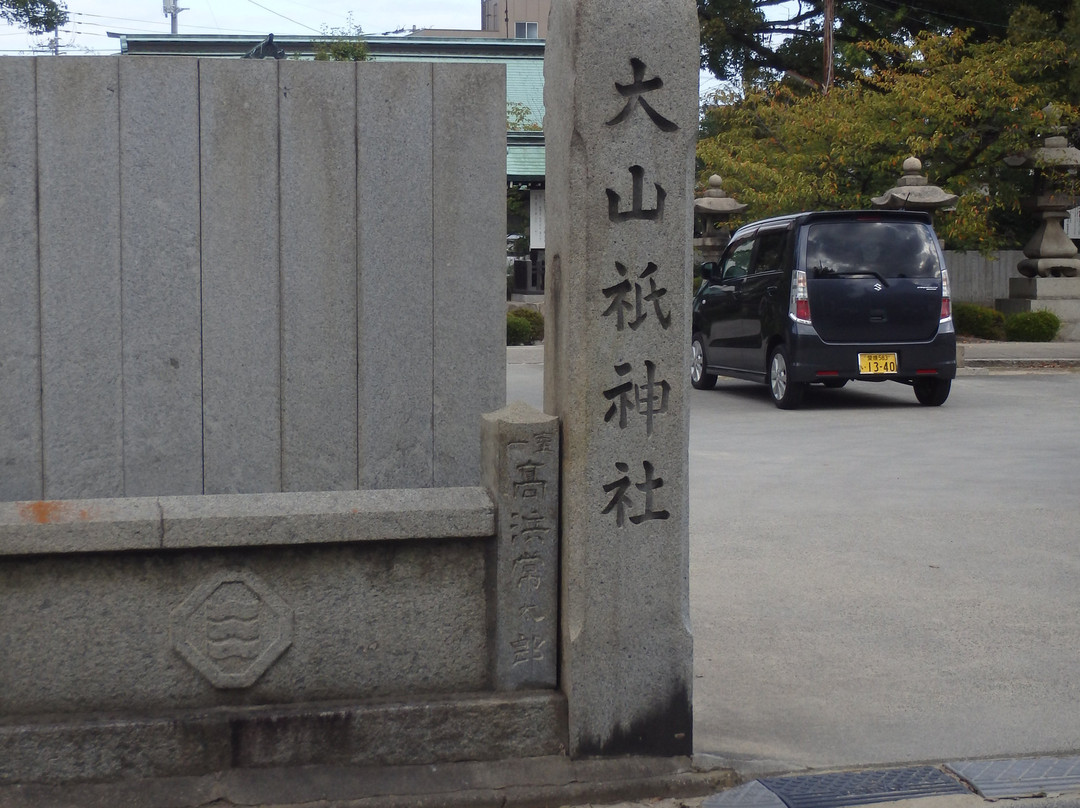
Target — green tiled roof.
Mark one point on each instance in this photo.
(524, 162)
(524, 156)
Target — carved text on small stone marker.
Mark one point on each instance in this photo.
(528, 649)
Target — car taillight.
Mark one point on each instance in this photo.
(946, 297)
(799, 308)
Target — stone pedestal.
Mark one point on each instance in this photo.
(1050, 253)
(710, 248)
(621, 98)
(1058, 295)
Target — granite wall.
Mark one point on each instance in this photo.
(981, 279)
(256, 509)
(247, 276)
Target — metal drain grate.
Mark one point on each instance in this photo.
(1020, 777)
(861, 788)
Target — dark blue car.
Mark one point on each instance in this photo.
(827, 298)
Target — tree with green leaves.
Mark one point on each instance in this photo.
(959, 105)
(754, 41)
(520, 118)
(36, 16)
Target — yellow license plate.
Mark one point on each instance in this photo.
(874, 363)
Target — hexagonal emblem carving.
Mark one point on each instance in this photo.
(232, 628)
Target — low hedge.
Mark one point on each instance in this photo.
(972, 320)
(1032, 326)
(535, 320)
(518, 329)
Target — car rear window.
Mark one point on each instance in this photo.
(887, 249)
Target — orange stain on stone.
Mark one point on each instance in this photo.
(43, 512)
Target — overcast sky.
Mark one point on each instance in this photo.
(92, 19)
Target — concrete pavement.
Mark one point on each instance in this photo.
(974, 359)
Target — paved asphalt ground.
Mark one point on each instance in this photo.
(874, 582)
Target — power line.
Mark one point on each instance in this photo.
(156, 25)
(321, 11)
(83, 23)
(153, 26)
(108, 17)
(941, 15)
(294, 22)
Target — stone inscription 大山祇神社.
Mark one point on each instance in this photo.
(621, 105)
(651, 398)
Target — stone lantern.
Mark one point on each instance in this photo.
(1050, 272)
(1050, 253)
(914, 192)
(715, 207)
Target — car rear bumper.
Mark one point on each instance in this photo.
(813, 360)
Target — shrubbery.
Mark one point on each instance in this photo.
(978, 321)
(518, 329)
(535, 320)
(1032, 326)
(986, 323)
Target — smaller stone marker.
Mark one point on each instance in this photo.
(521, 471)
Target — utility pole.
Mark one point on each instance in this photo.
(172, 10)
(830, 13)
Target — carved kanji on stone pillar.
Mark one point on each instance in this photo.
(621, 97)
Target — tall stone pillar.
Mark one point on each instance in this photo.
(621, 96)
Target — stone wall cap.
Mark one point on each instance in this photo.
(243, 520)
(520, 412)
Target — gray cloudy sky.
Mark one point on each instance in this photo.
(92, 19)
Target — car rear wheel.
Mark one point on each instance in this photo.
(932, 392)
(786, 394)
(698, 377)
